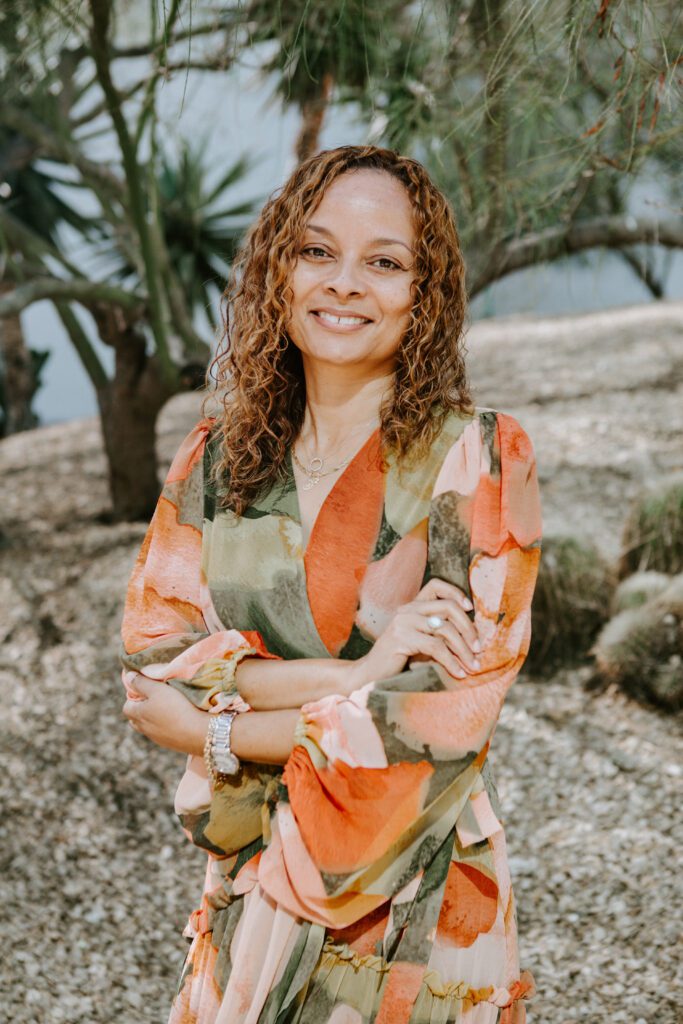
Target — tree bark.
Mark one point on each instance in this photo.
(17, 374)
(610, 232)
(643, 269)
(89, 293)
(312, 117)
(489, 24)
(129, 407)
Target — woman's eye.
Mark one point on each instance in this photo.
(388, 264)
(314, 250)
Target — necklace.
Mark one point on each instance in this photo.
(315, 468)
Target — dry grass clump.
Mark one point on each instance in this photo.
(637, 589)
(633, 629)
(641, 649)
(571, 602)
(653, 532)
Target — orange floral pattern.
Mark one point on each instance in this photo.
(366, 882)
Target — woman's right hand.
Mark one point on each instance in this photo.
(454, 645)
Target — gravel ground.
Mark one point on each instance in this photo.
(97, 880)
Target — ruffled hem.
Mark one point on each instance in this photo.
(332, 955)
(433, 984)
(499, 996)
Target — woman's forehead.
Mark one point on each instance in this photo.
(365, 201)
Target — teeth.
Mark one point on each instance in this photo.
(341, 319)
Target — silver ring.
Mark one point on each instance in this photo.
(435, 621)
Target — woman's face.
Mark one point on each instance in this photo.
(352, 282)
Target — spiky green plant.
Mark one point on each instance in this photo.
(30, 202)
(33, 190)
(338, 49)
(635, 590)
(573, 591)
(641, 649)
(201, 227)
(652, 537)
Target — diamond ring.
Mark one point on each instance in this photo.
(435, 621)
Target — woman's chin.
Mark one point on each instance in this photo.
(337, 355)
(345, 352)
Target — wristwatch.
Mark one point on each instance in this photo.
(219, 759)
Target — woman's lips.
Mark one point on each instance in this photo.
(338, 324)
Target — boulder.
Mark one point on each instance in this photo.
(641, 649)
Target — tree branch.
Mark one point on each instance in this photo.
(552, 243)
(160, 50)
(88, 293)
(489, 22)
(24, 240)
(313, 112)
(99, 37)
(60, 148)
(218, 63)
(645, 272)
(81, 342)
(195, 347)
(146, 49)
(101, 106)
(465, 178)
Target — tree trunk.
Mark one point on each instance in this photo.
(17, 375)
(129, 407)
(312, 117)
(489, 28)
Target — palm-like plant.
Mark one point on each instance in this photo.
(30, 191)
(201, 227)
(341, 44)
(30, 203)
(61, 90)
(536, 120)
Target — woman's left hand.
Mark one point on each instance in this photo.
(164, 716)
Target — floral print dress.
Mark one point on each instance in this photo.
(367, 879)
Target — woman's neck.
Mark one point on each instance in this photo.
(336, 408)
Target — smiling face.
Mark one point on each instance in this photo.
(352, 282)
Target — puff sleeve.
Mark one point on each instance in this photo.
(171, 633)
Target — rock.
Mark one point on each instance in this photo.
(641, 649)
(571, 601)
(653, 533)
(635, 590)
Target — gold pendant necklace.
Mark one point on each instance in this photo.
(315, 471)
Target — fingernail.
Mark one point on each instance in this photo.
(476, 646)
(467, 604)
(476, 663)
(459, 672)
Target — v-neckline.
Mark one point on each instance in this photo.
(295, 490)
(340, 543)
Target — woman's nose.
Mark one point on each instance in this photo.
(345, 279)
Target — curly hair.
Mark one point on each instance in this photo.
(257, 369)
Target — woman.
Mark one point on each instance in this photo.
(340, 571)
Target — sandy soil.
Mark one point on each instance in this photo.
(97, 880)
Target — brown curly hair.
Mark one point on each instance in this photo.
(258, 371)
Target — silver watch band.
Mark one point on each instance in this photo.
(220, 760)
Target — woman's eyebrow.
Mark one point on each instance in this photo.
(373, 241)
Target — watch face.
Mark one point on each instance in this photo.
(228, 764)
